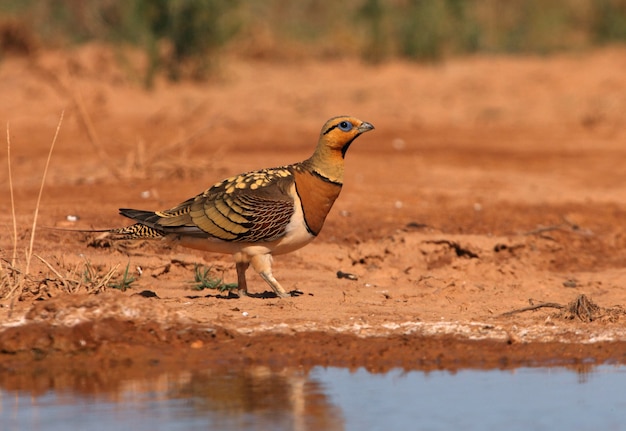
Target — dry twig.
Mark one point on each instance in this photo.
(534, 307)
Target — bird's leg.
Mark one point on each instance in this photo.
(262, 263)
(242, 285)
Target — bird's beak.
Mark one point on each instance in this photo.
(365, 127)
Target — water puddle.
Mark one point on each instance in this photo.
(258, 398)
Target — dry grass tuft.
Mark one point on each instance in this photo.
(584, 309)
(18, 282)
(581, 308)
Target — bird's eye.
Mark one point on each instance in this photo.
(345, 126)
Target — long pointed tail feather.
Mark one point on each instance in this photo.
(145, 228)
(135, 231)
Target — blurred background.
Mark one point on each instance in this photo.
(184, 38)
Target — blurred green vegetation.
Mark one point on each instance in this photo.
(182, 38)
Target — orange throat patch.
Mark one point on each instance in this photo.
(317, 197)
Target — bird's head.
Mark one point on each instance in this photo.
(339, 132)
(335, 139)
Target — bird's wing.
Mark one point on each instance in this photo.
(251, 207)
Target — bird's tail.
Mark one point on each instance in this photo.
(135, 231)
(145, 228)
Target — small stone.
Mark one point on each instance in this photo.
(347, 275)
(398, 144)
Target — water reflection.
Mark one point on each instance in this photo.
(254, 398)
(259, 398)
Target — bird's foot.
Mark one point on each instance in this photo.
(290, 294)
(282, 294)
(238, 293)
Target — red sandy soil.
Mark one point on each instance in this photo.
(489, 185)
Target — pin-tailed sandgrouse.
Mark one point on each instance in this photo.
(261, 213)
